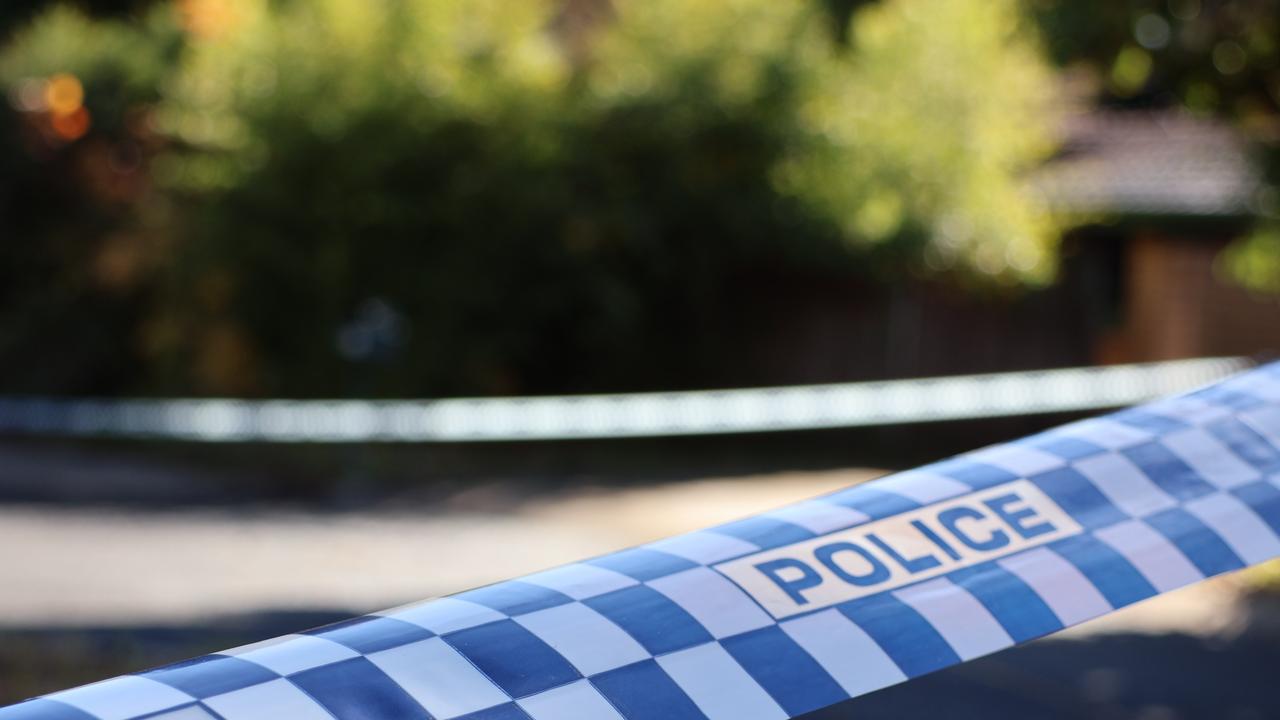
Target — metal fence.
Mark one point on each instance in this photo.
(612, 416)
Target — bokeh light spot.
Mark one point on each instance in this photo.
(1151, 31)
(208, 19)
(1131, 70)
(72, 126)
(63, 95)
(28, 96)
(1229, 58)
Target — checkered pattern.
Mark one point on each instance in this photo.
(1168, 494)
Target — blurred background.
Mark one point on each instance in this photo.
(370, 199)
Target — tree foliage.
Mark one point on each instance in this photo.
(74, 139)
(548, 212)
(1209, 55)
(1214, 58)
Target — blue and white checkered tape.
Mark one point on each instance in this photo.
(793, 610)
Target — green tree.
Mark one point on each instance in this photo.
(1217, 58)
(75, 140)
(548, 220)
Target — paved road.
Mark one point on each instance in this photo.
(101, 566)
(1103, 677)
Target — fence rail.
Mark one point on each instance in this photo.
(707, 412)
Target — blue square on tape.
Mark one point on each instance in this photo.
(643, 563)
(788, 673)
(1113, 575)
(1082, 500)
(1019, 610)
(1264, 499)
(1202, 546)
(1227, 398)
(765, 532)
(356, 689)
(1066, 447)
(976, 475)
(211, 675)
(515, 597)
(371, 634)
(1247, 443)
(915, 646)
(644, 690)
(1168, 471)
(873, 502)
(651, 618)
(510, 711)
(1143, 420)
(514, 658)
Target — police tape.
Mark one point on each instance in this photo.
(787, 612)
(703, 412)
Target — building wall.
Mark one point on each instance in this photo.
(1176, 305)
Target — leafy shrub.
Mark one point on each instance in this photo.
(550, 204)
(74, 144)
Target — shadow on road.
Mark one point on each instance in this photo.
(1107, 677)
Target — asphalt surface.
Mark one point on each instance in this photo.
(1105, 677)
(103, 566)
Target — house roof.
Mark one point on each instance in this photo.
(1150, 163)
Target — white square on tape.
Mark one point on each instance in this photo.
(706, 546)
(717, 604)
(444, 615)
(845, 651)
(275, 699)
(575, 701)
(587, 639)
(123, 697)
(293, 653)
(440, 679)
(718, 685)
(581, 581)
